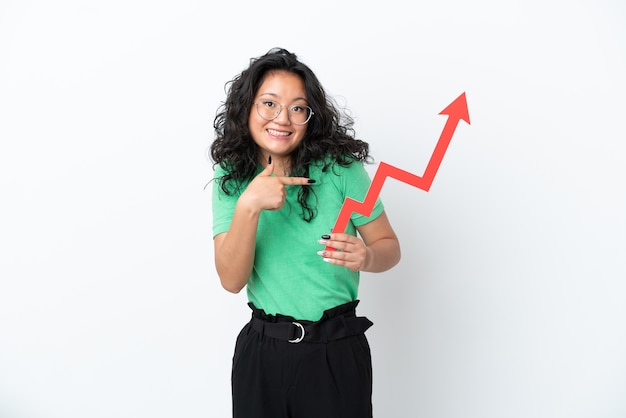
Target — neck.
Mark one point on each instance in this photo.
(282, 165)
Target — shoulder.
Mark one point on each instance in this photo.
(219, 170)
(230, 183)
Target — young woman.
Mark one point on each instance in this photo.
(285, 159)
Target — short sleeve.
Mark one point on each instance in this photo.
(223, 205)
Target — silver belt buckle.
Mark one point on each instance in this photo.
(301, 337)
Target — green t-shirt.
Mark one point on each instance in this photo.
(288, 277)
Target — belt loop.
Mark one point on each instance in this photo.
(345, 324)
(324, 334)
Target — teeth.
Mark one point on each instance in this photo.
(277, 133)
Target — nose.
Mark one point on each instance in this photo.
(283, 116)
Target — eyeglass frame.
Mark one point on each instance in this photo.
(311, 113)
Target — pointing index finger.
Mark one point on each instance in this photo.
(294, 181)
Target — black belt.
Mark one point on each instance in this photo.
(312, 332)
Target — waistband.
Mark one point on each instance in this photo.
(335, 324)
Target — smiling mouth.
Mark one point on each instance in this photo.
(278, 133)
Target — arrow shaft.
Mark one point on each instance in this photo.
(438, 153)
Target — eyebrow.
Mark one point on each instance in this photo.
(276, 96)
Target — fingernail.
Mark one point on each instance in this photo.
(325, 236)
(269, 160)
(310, 181)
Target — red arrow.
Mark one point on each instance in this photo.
(456, 111)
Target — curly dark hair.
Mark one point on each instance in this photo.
(329, 139)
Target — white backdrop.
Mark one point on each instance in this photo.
(509, 301)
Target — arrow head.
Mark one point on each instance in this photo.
(457, 109)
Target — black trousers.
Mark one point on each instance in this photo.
(285, 368)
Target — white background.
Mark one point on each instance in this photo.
(510, 299)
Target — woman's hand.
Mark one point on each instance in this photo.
(351, 251)
(378, 251)
(268, 192)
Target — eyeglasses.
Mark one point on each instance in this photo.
(298, 114)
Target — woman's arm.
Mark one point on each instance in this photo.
(235, 249)
(378, 251)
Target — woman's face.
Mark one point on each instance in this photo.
(278, 137)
